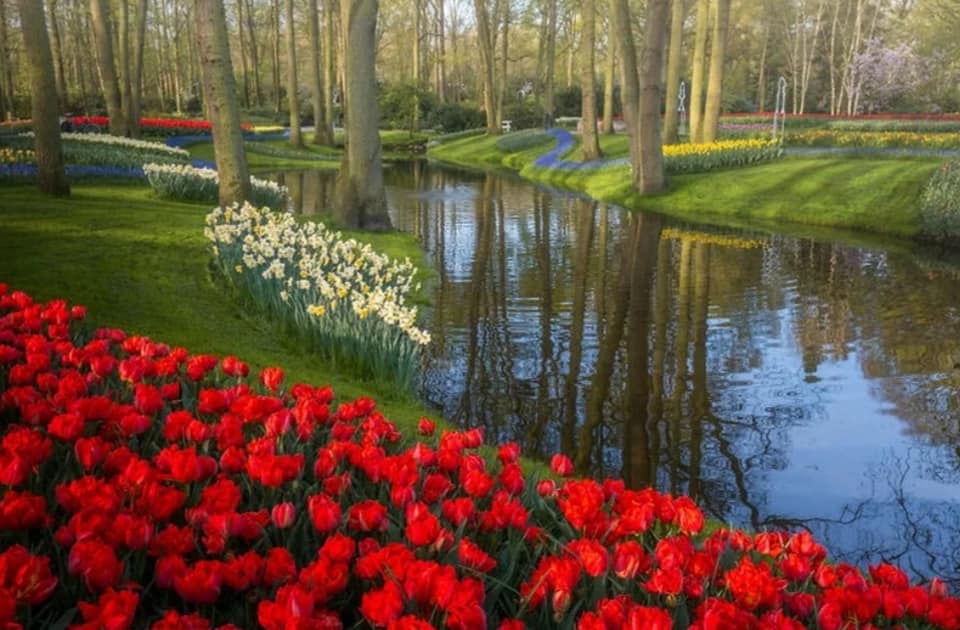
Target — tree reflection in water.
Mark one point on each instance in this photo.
(782, 381)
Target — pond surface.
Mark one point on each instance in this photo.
(781, 381)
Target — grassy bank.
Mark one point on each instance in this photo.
(142, 264)
(319, 155)
(877, 194)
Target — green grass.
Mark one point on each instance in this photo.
(876, 194)
(204, 151)
(142, 264)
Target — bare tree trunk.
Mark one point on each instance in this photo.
(762, 75)
(630, 90)
(254, 55)
(670, 122)
(329, 67)
(320, 135)
(275, 23)
(57, 51)
(609, 72)
(550, 54)
(417, 62)
(648, 174)
(296, 137)
(504, 59)
(699, 70)
(136, 95)
(441, 53)
(832, 65)
(588, 84)
(6, 84)
(718, 53)
(43, 94)
(99, 19)
(486, 45)
(220, 96)
(243, 55)
(362, 201)
(126, 80)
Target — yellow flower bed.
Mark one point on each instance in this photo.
(16, 156)
(694, 158)
(875, 139)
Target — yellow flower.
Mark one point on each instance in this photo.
(317, 310)
(238, 268)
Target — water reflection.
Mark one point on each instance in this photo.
(783, 382)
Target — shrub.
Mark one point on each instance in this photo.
(525, 114)
(940, 204)
(453, 117)
(345, 299)
(188, 183)
(523, 140)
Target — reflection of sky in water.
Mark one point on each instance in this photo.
(828, 378)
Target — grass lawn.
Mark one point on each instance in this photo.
(876, 194)
(141, 264)
(204, 151)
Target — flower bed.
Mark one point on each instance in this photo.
(152, 126)
(347, 301)
(9, 155)
(189, 183)
(105, 150)
(940, 204)
(874, 139)
(147, 487)
(697, 158)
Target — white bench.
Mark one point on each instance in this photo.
(506, 125)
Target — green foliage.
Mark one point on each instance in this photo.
(523, 140)
(525, 114)
(453, 117)
(567, 101)
(398, 103)
(940, 203)
(456, 135)
(874, 139)
(262, 148)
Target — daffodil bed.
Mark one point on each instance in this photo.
(189, 183)
(348, 302)
(146, 487)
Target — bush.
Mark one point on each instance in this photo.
(453, 117)
(188, 183)
(525, 114)
(940, 204)
(523, 140)
(398, 103)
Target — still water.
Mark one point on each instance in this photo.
(782, 381)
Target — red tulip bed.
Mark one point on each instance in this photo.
(147, 487)
(154, 126)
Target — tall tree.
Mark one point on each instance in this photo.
(609, 71)
(362, 201)
(329, 65)
(670, 122)
(487, 61)
(549, 61)
(56, 49)
(588, 83)
(6, 80)
(220, 97)
(699, 69)
(136, 82)
(296, 136)
(254, 55)
(320, 131)
(648, 174)
(43, 94)
(718, 54)
(103, 38)
(630, 80)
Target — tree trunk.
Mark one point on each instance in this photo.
(220, 97)
(362, 201)
(320, 135)
(243, 55)
(100, 22)
(6, 84)
(441, 54)
(718, 53)
(43, 95)
(648, 174)
(630, 85)
(670, 121)
(699, 69)
(486, 45)
(275, 23)
(126, 80)
(609, 72)
(296, 137)
(329, 66)
(588, 84)
(504, 59)
(762, 74)
(417, 62)
(136, 95)
(549, 54)
(254, 56)
(56, 50)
